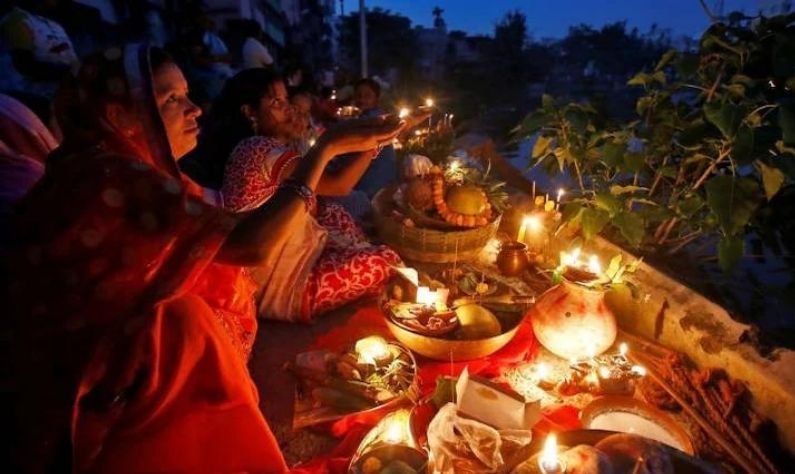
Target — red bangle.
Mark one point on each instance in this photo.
(303, 191)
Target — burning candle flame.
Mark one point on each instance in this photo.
(604, 372)
(371, 349)
(549, 456)
(429, 102)
(594, 266)
(639, 369)
(542, 371)
(404, 112)
(396, 430)
(454, 166)
(623, 349)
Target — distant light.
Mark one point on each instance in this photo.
(429, 102)
(404, 112)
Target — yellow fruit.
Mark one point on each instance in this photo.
(477, 322)
(467, 200)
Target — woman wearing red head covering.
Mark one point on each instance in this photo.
(133, 318)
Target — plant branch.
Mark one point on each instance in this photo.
(707, 172)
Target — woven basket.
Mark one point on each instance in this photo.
(428, 245)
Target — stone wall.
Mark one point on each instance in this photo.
(682, 319)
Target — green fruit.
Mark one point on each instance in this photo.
(467, 200)
(477, 322)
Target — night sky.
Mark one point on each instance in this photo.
(552, 18)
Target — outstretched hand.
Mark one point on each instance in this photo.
(361, 135)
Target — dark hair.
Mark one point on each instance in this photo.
(226, 125)
(367, 82)
(81, 102)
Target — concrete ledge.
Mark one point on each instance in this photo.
(680, 318)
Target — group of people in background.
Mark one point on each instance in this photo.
(144, 235)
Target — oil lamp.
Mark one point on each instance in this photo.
(549, 462)
(373, 350)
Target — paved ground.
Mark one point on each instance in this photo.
(276, 344)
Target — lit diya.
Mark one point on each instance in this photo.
(423, 319)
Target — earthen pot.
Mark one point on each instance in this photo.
(573, 321)
(512, 259)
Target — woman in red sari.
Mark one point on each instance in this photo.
(133, 318)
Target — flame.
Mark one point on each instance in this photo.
(561, 192)
(429, 102)
(542, 371)
(604, 372)
(312, 142)
(549, 456)
(404, 112)
(639, 369)
(533, 223)
(371, 349)
(454, 166)
(594, 266)
(623, 349)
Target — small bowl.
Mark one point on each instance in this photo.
(438, 348)
(415, 324)
(611, 404)
(386, 453)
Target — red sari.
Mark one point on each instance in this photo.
(130, 340)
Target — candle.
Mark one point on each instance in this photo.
(623, 349)
(372, 350)
(561, 192)
(549, 463)
(396, 429)
(534, 191)
(404, 112)
(437, 298)
(530, 230)
(312, 142)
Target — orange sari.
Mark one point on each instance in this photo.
(130, 342)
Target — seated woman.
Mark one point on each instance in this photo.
(133, 316)
(328, 262)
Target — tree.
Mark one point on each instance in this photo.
(391, 43)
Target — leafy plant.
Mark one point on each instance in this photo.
(711, 144)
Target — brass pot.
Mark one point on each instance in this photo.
(512, 259)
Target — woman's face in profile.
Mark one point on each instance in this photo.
(274, 113)
(178, 113)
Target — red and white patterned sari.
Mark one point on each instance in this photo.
(327, 264)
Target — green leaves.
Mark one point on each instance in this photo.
(541, 146)
(733, 201)
(730, 252)
(631, 227)
(772, 179)
(593, 221)
(726, 116)
(607, 202)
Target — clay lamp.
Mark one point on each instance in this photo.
(390, 440)
(373, 350)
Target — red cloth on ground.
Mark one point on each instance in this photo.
(370, 321)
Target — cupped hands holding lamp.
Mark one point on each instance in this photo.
(172, 282)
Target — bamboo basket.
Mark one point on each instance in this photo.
(428, 245)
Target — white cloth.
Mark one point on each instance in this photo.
(283, 286)
(255, 54)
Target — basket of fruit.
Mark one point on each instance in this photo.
(441, 216)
